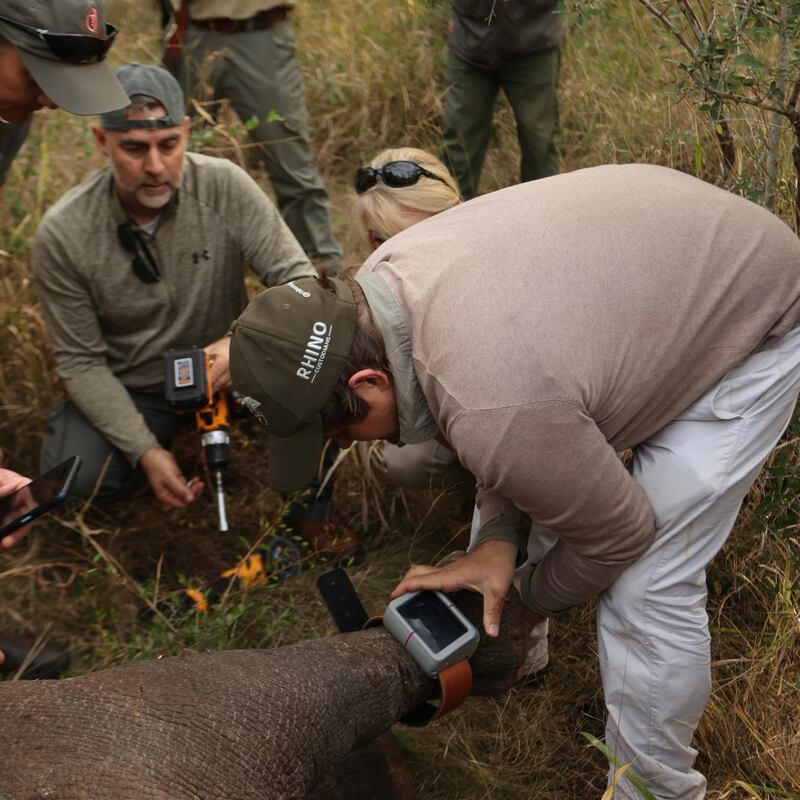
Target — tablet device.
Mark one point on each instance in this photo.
(38, 497)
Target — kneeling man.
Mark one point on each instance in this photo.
(146, 255)
(538, 331)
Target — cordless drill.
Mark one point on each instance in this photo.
(188, 388)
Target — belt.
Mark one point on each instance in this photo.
(260, 22)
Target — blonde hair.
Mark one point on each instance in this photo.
(383, 209)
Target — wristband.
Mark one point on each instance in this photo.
(455, 684)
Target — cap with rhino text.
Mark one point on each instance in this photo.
(63, 44)
(288, 351)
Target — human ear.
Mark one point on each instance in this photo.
(372, 377)
(101, 139)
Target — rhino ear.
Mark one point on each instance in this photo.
(496, 661)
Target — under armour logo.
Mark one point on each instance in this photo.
(204, 255)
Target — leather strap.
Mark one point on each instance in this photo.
(455, 685)
(260, 22)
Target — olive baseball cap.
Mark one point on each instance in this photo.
(288, 351)
(152, 81)
(63, 43)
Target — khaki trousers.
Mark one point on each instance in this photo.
(68, 433)
(258, 72)
(652, 626)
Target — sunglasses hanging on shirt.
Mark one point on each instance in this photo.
(395, 174)
(74, 48)
(143, 264)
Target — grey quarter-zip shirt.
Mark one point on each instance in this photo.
(109, 329)
(555, 323)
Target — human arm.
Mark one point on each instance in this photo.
(551, 462)
(268, 246)
(12, 137)
(79, 347)
(10, 482)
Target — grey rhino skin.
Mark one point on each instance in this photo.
(247, 724)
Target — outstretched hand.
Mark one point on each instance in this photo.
(488, 570)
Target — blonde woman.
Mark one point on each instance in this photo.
(397, 189)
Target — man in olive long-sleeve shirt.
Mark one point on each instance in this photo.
(146, 255)
(538, 330)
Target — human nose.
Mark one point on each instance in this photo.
(154, 164)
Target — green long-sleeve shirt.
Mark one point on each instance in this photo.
(108, 328)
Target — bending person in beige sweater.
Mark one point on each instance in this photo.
(539, 330)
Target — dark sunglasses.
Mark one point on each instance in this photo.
(143, 264)
(75, 48)
(395, 174)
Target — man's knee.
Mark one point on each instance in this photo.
(104, 472)
(108, 480)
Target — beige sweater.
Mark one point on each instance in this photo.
(557, 322)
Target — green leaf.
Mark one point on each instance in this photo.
(746, 60)
(617, 762)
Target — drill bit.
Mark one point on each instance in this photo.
(223, 519)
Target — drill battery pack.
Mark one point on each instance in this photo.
(188, 381)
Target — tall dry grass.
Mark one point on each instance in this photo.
(373, 79)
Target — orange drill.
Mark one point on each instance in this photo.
(188, 388)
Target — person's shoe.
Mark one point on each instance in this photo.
(45, 660)
(329, 539)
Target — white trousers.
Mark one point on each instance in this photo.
(652, 626)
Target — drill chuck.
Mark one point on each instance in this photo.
(215, 446)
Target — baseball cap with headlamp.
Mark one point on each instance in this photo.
(288, 351)
(63, 44)
(155, 83)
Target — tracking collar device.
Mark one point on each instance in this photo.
(427, 624)
(440, 639)
(432, 629)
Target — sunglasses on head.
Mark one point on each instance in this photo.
(75, 48)
(395, 174)
(143, 264)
